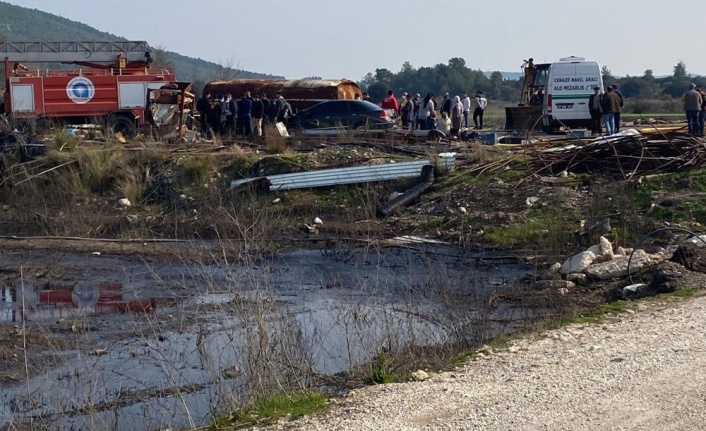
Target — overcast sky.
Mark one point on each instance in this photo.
(347, 39)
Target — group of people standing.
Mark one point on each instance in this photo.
(605, 109)
(420, 113)
(695, 108)
(224, 116)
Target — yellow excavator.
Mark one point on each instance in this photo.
(527, 114)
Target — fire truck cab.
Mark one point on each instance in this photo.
(113, 84)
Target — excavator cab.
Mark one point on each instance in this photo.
(527, 114)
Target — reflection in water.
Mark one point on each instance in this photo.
(51, 301)
(223, 330)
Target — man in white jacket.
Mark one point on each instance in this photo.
(479, 103)
(466, 102)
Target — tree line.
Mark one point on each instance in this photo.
(456, 77)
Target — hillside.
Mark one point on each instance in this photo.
(20, 23)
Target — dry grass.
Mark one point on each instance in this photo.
(274, 142)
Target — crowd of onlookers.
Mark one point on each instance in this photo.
(224, 116)
(449, 116)
(605, 108)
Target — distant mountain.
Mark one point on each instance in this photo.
(24, 24)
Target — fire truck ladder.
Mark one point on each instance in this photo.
(70, 52)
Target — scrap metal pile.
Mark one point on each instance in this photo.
(629, 154)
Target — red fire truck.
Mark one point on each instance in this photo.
(113, 84)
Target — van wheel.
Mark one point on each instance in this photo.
(123, 125)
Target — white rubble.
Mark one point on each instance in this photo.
(619, 267)
(578, 263)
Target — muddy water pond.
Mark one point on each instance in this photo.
(146, 345)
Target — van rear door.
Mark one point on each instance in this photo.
(563, 82)
(590, 73)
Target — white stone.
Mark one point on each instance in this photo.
(595, 249)
(578, 278)
(606, 247)
(554, 269)
(578, 263)
(463, 210)
(698, 240)
(619, 266)
(620, 252)
(318, 221)
(276, 200)
(420, 375)
(531, 201)
(124, 202)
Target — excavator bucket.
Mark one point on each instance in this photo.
(523, 118)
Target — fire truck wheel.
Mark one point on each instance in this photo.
(123, 125)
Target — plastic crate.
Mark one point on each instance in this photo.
(489, 138)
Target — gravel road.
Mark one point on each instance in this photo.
(643, 370)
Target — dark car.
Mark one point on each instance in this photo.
(351, 114)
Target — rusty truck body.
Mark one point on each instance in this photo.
(300, 93)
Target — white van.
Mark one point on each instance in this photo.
(567, 85)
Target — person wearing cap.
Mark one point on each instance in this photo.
(692, 106)
(479, 104)
(595, 109)
(616, 114)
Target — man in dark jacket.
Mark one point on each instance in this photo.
(617, 114)
(446, 104)
(692, 106)
(594, 108)
(702, 112)
(266, 107)
(610, 104)
(258, 112)
(203, 106)
(245, 115)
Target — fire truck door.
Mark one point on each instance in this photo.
(22, 97)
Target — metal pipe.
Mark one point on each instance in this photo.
(409, 195)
